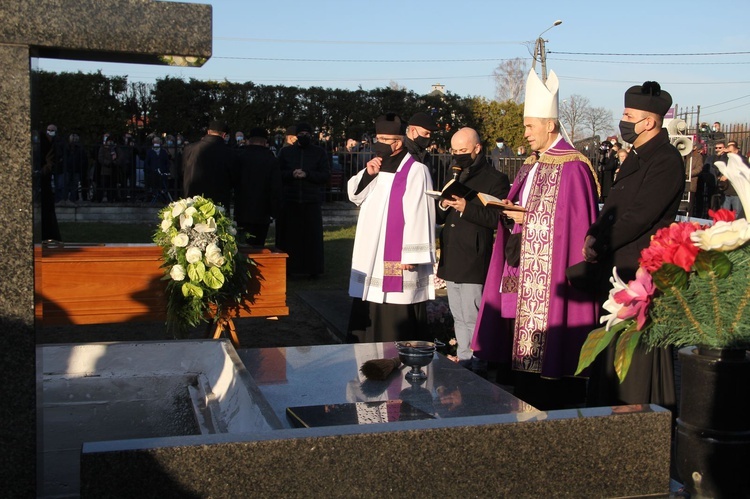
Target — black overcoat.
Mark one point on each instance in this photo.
(466, 240)
(209, 167)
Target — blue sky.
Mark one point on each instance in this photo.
(345, 44)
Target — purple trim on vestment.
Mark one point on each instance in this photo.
(394, 232)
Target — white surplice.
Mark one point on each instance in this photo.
(366, 279)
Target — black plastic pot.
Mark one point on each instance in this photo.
(713, 430)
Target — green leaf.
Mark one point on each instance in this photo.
(626, 344)
(597, 340)
(670, 275)
(189, 289)
(214, 279)
(196, 271)
(715, 262)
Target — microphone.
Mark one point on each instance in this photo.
(456, 171)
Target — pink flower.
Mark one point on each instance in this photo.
(671, 245)
(636, 298)
(722, 215)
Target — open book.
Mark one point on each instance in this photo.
(453, 188)
(489, 200)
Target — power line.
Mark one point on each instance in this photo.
(656, 63)
(724, 110)
(725, 102)
(651, 54)
(412, 61)
(360, 42)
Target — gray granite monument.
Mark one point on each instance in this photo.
(112, 30)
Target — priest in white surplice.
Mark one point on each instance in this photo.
(394, 247)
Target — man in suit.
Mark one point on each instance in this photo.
(644, 197)
(467, 237)
(258, 193)
(209, 166)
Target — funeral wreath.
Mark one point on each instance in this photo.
(692, 287)
(206, 275)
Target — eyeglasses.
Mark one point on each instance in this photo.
(386, 140)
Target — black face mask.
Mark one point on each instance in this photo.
(381, 149)
(463, 160)
(627, 130)
(422, 142)
(303, 140)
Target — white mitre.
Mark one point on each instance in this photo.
(541, 99)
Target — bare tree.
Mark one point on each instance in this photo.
(598, 120)
(510, 80)
(572, 113)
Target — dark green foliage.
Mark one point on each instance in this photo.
(93, 103)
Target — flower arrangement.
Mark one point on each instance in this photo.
(205, 272)
(440, 324)
(692, 287)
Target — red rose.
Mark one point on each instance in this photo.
(671, 245)
(722, 215)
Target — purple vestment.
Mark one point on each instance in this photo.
(552, 318)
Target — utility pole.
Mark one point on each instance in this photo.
(540, 52)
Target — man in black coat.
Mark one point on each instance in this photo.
(258, 191)
(299, 229)
(209, 166)
(467, 236)
(644, 197)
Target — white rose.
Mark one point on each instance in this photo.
(214, 258)
(178, 207)
(185, 221)
(722, 236)
(177, 273)
(180, 240)
(193, 255)
(209, 226)
(166, 224)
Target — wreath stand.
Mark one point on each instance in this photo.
(225, 324)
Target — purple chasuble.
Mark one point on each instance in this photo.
(394, 233)
(552, 318)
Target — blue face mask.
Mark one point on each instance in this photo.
(170, 143)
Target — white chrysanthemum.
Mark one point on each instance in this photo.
(722, 236)
(208, 226)
(180, 240)
(177, 273)
(232, 230)
(611, 305)
(193, 255)
(214, 258)
(178, 207)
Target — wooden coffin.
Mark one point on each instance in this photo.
(99, 284)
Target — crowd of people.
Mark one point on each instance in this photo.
(526, 277)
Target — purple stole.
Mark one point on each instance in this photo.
(394, 233)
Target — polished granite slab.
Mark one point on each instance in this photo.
(327, 377)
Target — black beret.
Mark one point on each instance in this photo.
(304, 127)
(291, 130)
(390, 124)
(648, 97)
(219, 126)
(425, 121)
(500, 139)
(258, 132)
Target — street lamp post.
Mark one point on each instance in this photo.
(540, 51)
